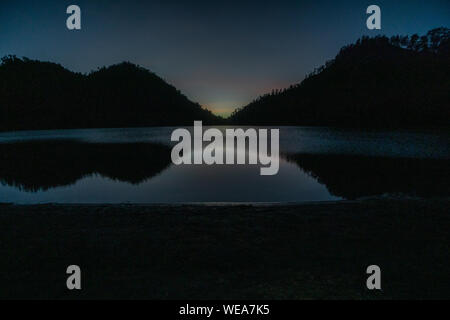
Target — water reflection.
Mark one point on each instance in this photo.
(351, 176)
(86, 170)
(41, 165)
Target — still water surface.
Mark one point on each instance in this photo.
(133, 165)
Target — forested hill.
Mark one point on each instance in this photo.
(378, 82)
(44, 95)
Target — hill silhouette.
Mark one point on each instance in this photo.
(378, 82)
(44, 95)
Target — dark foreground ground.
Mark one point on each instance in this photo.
(207, 252)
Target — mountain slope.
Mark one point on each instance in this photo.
(377, 82)
(44, 95)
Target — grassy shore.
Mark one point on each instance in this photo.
(306, 251)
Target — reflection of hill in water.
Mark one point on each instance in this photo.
(42, 165)
(352, 176)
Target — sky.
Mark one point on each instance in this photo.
(222, 54)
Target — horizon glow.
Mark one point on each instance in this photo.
(222, 55)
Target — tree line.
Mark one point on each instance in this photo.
(44, 95)
(378, 81)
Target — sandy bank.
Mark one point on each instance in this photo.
(317, 250)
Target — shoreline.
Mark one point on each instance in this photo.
(306, 251)
(181, 204)
(227, 203)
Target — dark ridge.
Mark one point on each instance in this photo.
(44, 95)
(376, 82)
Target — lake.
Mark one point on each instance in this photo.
(133, 165)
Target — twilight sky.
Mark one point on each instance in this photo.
(222, 54)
